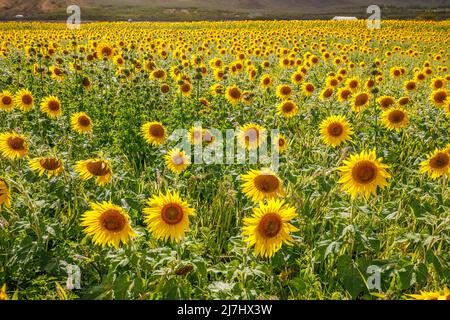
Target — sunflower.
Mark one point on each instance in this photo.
(81, 122)
(159, 74)
(24, 100)
(282, 143)
(6, 101)
(326, 93)
(335, 130)
(266, 81)
(363, 173)
(13, 145)
(185, 89)
(233, 94)
(3, 294)
(51, 165)
(284, 91)
(269, 227)
(438, 83)
(343, 94)
(5, 195)
(167, 216)
(308, 89)
(105, 51)
(403, 101)
(177, 161)
(108, 223)
(410, 85)
(395, 118)
(251, 135)
(51, 106)
(195, 135)
(432, 295)
(98, 168)
(437, 164)
(56, 73)
(386, 102)
(438, 97)
(287, 108)
(261, 184)
(154, 133)
(360, 101)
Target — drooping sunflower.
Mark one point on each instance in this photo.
(432, 295)
(5, 194)
(360, 101)
(386, 102)
(177, 161)
(6, 101)
(51, 106)
(262, 184)
(94, 168)
(167, 216)
(24, 100)
(81, 122)
(335, 130)
(287, 108)
(13, 145)
(50, 165)
(251, 136)
(437, 164)
(108, 223)
(395, 118)
(233, 94)
(284, 91)
(363, 173)
(154, 133)
(269, 227)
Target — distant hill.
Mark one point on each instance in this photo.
(216, 9)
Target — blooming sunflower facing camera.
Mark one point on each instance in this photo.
(13, 145)
(51, 106)
(251, 136)
(261, 184)
(335, 130)
(287, 109)
(24, 100)
(108, 224)
(363, 173)
(52, 166)
(269, 227)
(395, 118)
(167, 216)
(6, 101)
(154, 133)
(437, 164)
(81, 122)
(177, 161)
(94, 168)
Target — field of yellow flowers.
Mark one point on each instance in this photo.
(98, 203)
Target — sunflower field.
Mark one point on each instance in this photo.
(96, 202)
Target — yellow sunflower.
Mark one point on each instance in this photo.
(287, 108)
(3, 294)
(437, 164)
(335, 130)
(154, 133)
(56, 73)
(94, 168)
(284, 91)
(282, 143)
(13, 145)
(233, 94)
(344, 94)
(251, 136)
(363, 173)
(432, 295)
(438, 97)
(360, 101)
(395, 118)
(195, 135)
(269, 227)
(51, 106)
(81, 122)
(262, 184)
(50, 165)
(177, 161)
(167, 216)
(108, 224)
(24, 100)
(326, 93)
(386, 102)
(104, 51)
(266, 81)
(5, 194)
(6, 101)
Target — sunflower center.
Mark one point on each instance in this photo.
(177, 159)
(156, 131)
(285, 91)
(396, 116)
(98, 168)
(288, 107)
(385, 103)
(410, 85)
(345, 94)
(266, 81)
(16, 143)
(440, 97)
(441, 160)
(50, 164)
(309, 88)
(438, 84)
(112, 220)
(53, 105)
(159, 74)
(57, 72)
(281, 142)
(251, 135)
(364, 172)
(361, 99)
(84, 121)
(6, 100)
(86, 82)
(335, 129)
(235, 93)
(270, 225)
(207, 137)
(172, 213)
(185, 88)
(106, 51)
(266, 183)
(27, 99)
